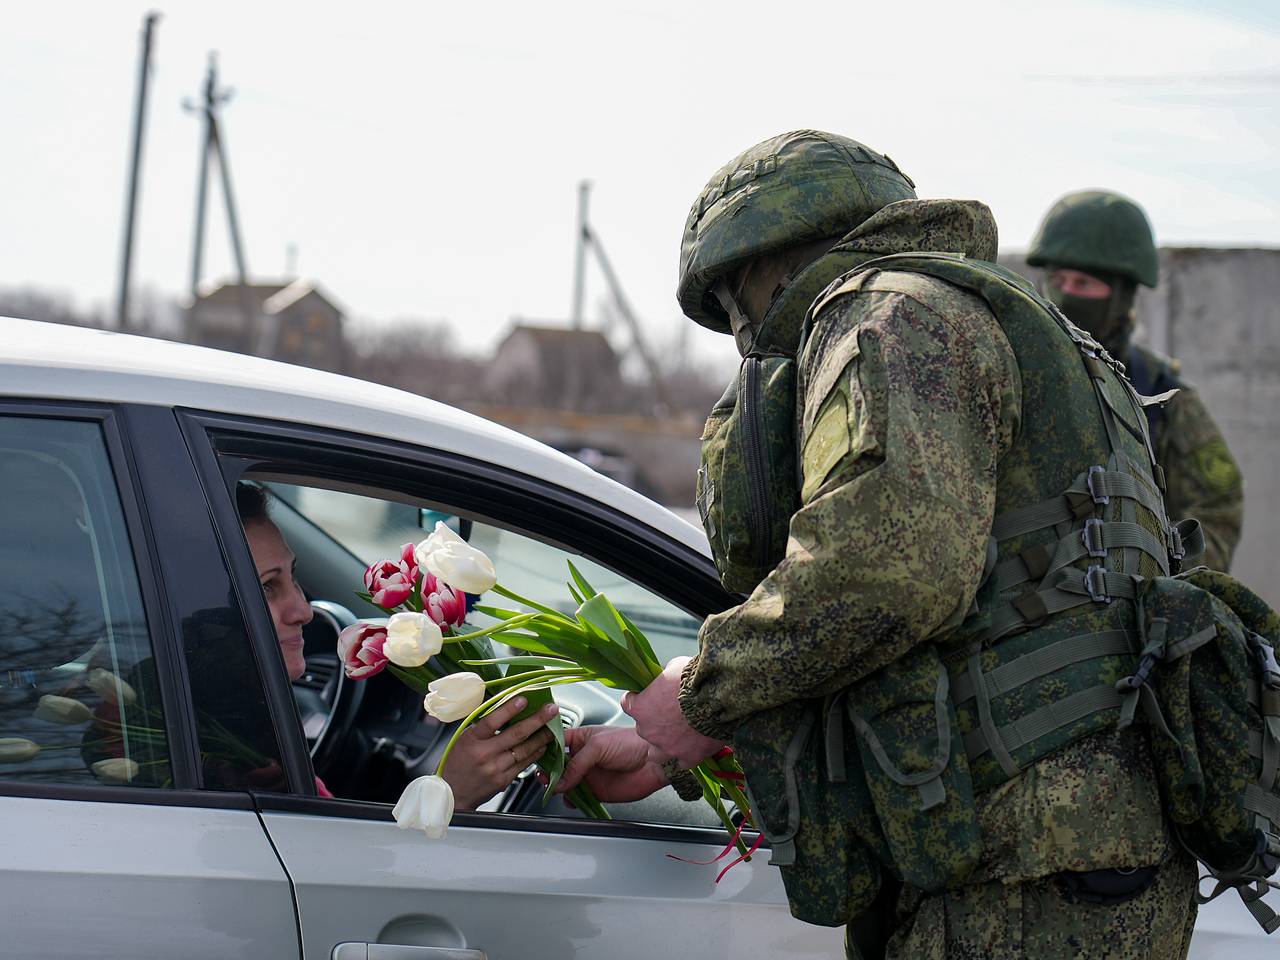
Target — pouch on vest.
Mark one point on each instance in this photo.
(916, 770)
(821, 831)
(747, 479)
(1209, 683)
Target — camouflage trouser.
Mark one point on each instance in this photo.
(1040, 919)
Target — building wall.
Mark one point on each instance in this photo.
(1218, 311)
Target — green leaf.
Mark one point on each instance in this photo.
(524, 661)
(581, 581)
(577, 597)
(497, 612)
(600, 614)
(533, 644)
(411, 678)
(532, 604)
(641, 641)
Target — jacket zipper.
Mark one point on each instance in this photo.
(753, 442)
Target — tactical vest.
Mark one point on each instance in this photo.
(1046, 657)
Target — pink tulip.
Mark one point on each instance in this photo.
(443, 604)
(392, 582)
(360, 650)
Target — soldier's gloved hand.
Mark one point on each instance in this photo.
(656, 711)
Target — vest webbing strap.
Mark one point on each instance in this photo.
(1046, 719)
(1097, 537)
(1047, 660)
(1068, 588)
(1262, 802)
(1096, 488)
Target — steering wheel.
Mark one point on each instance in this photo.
(327, 701)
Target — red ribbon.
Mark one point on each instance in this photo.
(746, 856)
(729, 775)
(724, 752)
(719, 856)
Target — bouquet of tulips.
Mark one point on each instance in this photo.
(596, 642)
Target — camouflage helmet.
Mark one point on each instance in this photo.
(792, 189)
(1097, 232)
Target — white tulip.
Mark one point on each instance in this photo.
(116, 769)
(16, 749)
(61, 710)
(412, 639)
(449, 558)
(455, 696)
(426, 805)
(110, 687)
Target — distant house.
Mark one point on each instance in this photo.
(556, 368)
(292, 321)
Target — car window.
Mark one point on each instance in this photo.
(79, 695)
(374, 529)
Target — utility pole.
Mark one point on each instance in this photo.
(211, 146)
(135, 165)
(580, 257)
(587, 239)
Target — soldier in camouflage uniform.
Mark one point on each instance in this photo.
(1096, 248)
(911, 405)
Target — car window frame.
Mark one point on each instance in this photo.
(114, 422)
(230, 445)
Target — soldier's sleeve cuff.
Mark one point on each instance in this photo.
(685, 783)
(702, 716)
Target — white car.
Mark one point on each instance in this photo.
(157, 768)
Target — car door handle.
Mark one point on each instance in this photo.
(396, 951)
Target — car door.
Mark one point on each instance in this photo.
(500, 884)
(111, 844)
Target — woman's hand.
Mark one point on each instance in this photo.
(489, 754)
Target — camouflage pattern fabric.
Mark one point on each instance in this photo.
(911, 398)
(899, 495)
(1041, 920)
(1202, 478)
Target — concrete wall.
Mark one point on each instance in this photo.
(1218, 311)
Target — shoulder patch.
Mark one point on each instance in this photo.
(1215, 464)
(826, 445)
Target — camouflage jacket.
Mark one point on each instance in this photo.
(1202, 478)
(908, 405)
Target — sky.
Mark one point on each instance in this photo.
(424, 158)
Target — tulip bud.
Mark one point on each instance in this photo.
(115, 769)
(360, 650)
(454, 697)
(16, 749)
(110, 687)
(412, 639)
(449, 558)
(426, 805)
(61, 710)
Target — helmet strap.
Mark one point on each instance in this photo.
(743, 335)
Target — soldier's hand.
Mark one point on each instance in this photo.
(656, 711)
(616, 763)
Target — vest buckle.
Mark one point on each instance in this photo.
(1091, 536)
(1095, 578)
(1096, 485)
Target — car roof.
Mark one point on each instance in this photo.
(59, 361)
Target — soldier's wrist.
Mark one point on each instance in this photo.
(685, 783)
(703, 716)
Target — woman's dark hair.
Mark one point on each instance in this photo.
(251, 502)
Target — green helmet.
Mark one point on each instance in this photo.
(1097, 232)
(792, 189)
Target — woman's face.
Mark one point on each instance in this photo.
(290, 611)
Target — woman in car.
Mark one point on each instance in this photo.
(488, 755)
